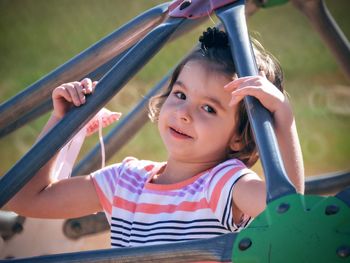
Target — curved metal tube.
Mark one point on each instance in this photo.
(84, 63)
(217, 249)
(44, 106)
(277, 182)
(109, 85)
(327, 184)
(120, 135)
(321, 19)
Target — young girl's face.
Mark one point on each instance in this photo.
(195, 121)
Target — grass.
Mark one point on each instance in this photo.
(37, 36)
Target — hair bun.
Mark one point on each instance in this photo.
(213, 38)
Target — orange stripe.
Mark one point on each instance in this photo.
(106, 205)
(156, 209)
(124, 204)
(213, 203)
(149, 167)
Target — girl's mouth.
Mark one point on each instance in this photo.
(179, 134)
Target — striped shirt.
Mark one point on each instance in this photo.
(145, 213)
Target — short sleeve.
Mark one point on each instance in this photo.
(220, 192)
(105, 181)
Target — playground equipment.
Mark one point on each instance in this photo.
(317, 227)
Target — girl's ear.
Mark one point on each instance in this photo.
(236, 144)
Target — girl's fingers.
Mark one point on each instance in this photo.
(81, 91)
(239, 94)
(239, 81)
(75, 92)
(61, 92)
(87, 84)
(94, 85)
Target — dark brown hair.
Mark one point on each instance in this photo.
(217, 57)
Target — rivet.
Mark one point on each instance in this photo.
(331, 210)
(17, 228)
(282, 208)
(76, 227)
(244, 244)
(343, 251)
(185, 4)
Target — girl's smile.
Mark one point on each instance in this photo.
(178, 134)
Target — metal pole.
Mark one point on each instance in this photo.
(277, 182)
(217, 249)
(321, 19)
(46, 105)
(85, 62)
(108, 86)
(119, 135)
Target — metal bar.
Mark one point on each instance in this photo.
(277, 182)
(327, 184)
(321, 19)
(83, 63)
(108, 86)
(40, 108)
(119, 135)
(218, 249)
(43, 107)
(75, 228)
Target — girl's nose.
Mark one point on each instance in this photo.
(183, 114)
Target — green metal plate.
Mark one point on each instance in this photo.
(297, 228)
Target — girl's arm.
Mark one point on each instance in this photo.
(284, 123)
(42, 196)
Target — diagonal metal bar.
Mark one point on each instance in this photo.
(327, 183)
(218, 249)
(119, 135)
(277, 183)
(83, 63)
(322, 21)
(108, 86)
(43, 107)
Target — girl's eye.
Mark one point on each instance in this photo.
(209, 109)
(180, 95)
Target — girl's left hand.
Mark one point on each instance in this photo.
(259, 87)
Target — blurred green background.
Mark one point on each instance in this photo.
(39, 35)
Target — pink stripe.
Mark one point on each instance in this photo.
(122, 203)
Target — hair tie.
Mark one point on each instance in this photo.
(213, 38)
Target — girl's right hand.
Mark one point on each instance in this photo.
(71, 94)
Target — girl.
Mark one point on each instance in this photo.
(205, 188)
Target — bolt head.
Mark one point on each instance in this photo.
(76, 227)
(244, 244)
(185, 4)
(282, 208)
(343, 251)
(331, 210)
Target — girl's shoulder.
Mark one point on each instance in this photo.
(129, 165)
(136, 165)
(229, 170)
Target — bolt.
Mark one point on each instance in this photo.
(76, 227)
(343, 251)
(17, 228)
(282, 208)
(185, 4)
(331, 210)
(244, 244)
